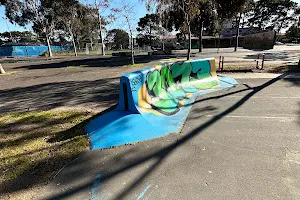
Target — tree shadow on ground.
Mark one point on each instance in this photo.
(137, 156)
(37, 172)
(285, 69)
(273, 56)
(97, 62)
(79, 129)
(158, 155)
(90, 94)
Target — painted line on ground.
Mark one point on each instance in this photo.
(262, 75)
(95, 187)
(268, 97)
(143, 193)
(259, 117)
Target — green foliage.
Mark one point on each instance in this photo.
(55, 18)
(204, 19)
(226, 9)
(118, 38)
(25, 36)
(148, 28)
(274, 14)
(293, 33)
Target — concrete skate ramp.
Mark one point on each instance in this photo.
(155, 101)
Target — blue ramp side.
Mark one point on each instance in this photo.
(148, 107)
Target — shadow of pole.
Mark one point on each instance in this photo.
(163, 153)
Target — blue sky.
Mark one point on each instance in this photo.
(139, 11)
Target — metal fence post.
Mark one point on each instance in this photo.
(222, 63)
(263, 62)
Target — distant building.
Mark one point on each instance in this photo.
(230, 32)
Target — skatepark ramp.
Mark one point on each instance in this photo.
(155, 101)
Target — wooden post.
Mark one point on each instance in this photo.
(257, 61)
(2, 70)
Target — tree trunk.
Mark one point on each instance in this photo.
(73, 41)
(219, 41)
(49, 47)
(78, 45)
(190, 42)
(100, 29)
(238, 19)
(150, 37)
(200, 36)
(132, 52)
(91, 40)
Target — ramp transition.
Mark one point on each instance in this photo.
(155, 101)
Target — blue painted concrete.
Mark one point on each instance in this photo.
(118, 128)
(137, 118)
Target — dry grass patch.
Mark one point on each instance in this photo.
(35, 145)
(134, 65)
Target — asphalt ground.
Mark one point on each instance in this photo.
(238, 143)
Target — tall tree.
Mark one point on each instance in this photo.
(293, 33)
(187, 10)
(118, 37)
(241, 12)
(274, 14)
(67, 13)
(101, 5)
(126, 11)
(38, 13)
(226, 10)
(205, 18)
(87, 27)
(179, 15)
(148, 28)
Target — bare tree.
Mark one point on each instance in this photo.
(187, 9)
(66, 12)
(101, 5)
(125, 10)
(39, 14)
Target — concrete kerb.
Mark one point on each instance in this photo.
(155, 101)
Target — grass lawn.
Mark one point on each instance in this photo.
(38, 144)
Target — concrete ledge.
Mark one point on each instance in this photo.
(155, 101)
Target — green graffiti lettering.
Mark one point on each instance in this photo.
(165, 102)
(201, 71)
(171, 84)
(181, 72)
